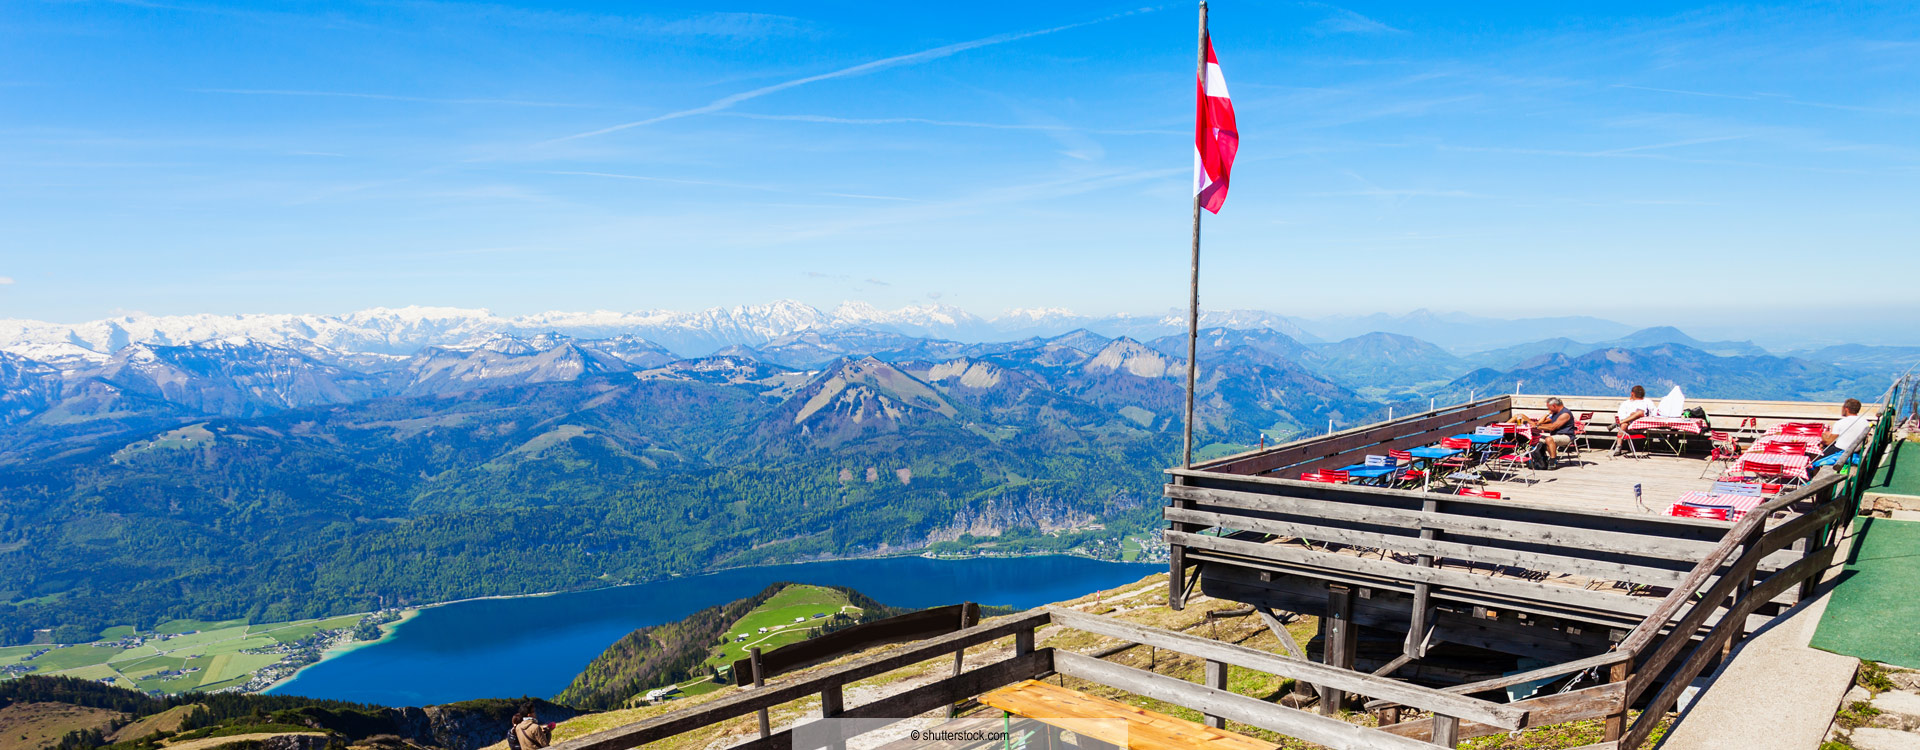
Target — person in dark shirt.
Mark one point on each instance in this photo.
(1557, 428)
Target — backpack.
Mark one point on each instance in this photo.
(1695, 412)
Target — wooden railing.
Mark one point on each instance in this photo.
(1346, 446)
(1728, 582)
(1026, 663)
(1431, 529)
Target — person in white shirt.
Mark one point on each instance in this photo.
(1847, 434)
(1631, 410)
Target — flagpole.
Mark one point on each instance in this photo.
(1193, 300)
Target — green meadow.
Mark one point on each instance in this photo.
(210, 655)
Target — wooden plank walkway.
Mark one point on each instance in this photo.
(1123, 726)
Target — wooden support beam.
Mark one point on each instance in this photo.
(1389, 667)
(1320, 730)
(1446, 731)
(1420, 626)
(1546, 710)
(1420, 697)
(1389, 610)
(1216, 678)
(1342, 643)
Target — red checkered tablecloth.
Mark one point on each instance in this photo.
(1741, 504)
(1774, 464)
(1802, 442)
(1676, 424)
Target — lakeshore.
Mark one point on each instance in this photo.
(533, 645)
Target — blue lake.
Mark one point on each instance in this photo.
(533, 646)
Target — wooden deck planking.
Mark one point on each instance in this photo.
(1595, 481)
(1143, 729)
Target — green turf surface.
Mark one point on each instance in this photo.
(1900, 475)
(1875, 610)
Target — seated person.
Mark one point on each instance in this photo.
(1631, 410)
(1556, 426)
(1848, 434)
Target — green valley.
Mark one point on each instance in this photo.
(187, 655)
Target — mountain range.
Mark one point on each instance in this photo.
(286, 478)
(404, 331)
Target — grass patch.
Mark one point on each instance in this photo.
(1856, 715)
(34, 725)
(777, 615)
(1873, 677)
(72, 657)
(180, 627)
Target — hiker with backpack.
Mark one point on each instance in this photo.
(526, 732)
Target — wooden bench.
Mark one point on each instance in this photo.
(1135, 728)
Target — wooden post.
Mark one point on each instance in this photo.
(1446, 731)
(1177, 557)
(1193, 297)
(1216, 678)
(1340, 642)
(1740, 593)
(1421, 620)
(969, 617)
(1617, 721)
(1023, 642)
(833, 703)
(759, 681)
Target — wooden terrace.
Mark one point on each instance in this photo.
(1624, 609)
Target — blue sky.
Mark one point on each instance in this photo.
(188, 156)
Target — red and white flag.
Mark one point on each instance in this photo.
(1215, 138)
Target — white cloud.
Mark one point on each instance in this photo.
(5, 280)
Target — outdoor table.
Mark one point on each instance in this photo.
(1431, 454)
(1363, 471)
(1739, 505)
(1803, 442)
(1672, 424)
(1774, 464)
(1478, 439)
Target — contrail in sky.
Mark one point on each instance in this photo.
(914, 58)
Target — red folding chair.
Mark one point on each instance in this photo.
(1405, 473)
(1725, 450)
(1471, 492)
(1457, 462)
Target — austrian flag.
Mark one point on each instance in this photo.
(1215, 138)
